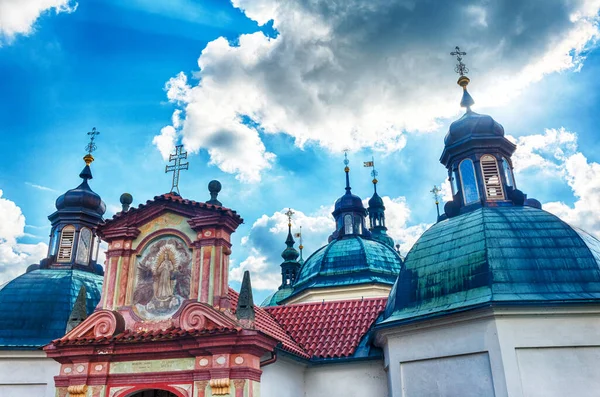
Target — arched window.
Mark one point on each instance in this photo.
(508, 173)
(65, 248)
(468, 182)
(84, 247)
(491, 178)
(348, 227)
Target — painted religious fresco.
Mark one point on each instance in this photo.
(162, 280)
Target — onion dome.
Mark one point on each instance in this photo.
(290, 254)
(350, 260)
(348, 202)
(35, 307)
(472, 126)
(496, 255)
(82, 198)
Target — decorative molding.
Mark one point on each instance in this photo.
(101, 324)
(162, 232)
(77, 390)
(196, 315)
(220, 387)
(123, 232)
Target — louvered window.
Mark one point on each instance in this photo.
(491, 178)
(65, 248)
(508, 173)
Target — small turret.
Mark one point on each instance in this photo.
(73, 239)
(376, 212)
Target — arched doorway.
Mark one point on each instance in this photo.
(152, 393)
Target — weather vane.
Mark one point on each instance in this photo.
(177, 166)
(371, 164)
(460, 68)
(346, 161)
(91, 146)
(436, 195)
(289, 214)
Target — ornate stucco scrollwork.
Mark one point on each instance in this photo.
(77, 390)
(101, 324)
(220, 387)
(192, 317)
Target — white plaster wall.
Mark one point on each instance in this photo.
(366, 378)
(449, 375)
(551, 353)
(27, 373)
(528, 353)
(283, 378)
(461, 343)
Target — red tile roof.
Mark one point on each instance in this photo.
(329, 329)
(129, 336)
(267, 324)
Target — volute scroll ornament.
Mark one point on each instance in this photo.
(101, 324)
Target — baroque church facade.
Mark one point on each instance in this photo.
(497, 298)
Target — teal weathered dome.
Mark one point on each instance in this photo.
(35, 307)
(496, 255)
(350, 260)
(277, 296)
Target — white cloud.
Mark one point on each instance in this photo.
(556, 154)
(360, 73)
(14, 256)
(40, 187)
(266, 242)
(18, 16)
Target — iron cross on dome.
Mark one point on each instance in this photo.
(460, 68)
(177, 166)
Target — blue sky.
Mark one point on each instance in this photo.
(268, 108)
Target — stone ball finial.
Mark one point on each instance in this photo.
(214, 187)
(126, 199)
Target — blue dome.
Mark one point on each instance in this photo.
(501, 255)
(82, 197)
(350, 260)
(473, 125)
(348, 202)
(376, 202)
(35, 307)
(276, 297)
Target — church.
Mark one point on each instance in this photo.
(497, 298)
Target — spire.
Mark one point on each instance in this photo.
(376, 211)
(300, 247)
(79, 312)
(463, 81)
(347, 171)
(290, 266)
(436, 195)
(245, 304)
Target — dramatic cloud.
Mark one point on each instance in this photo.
(555, 153)
(266, 239)
(359, 73)
(19, 16)
(15, 257)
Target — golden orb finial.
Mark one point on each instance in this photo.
(88, 158)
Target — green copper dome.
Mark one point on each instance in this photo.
(35, 307)
(496, 255)
(350, 260)
(277, 296)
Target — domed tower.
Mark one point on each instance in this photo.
(289, 268)
(376, 212)
(496, 283)
(73, 240)
(478, 159)
(52, 297)
(353, 264)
